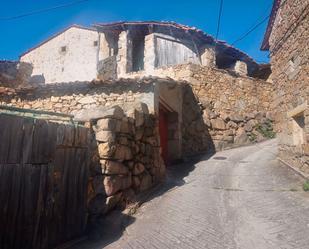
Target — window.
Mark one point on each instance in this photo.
(63, 49)
(95, 43)
(138, 46)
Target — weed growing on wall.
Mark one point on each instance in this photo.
(306, 186)
(266, 129)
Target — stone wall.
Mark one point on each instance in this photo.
(289, 49)
(126, 157)
(228, 109)
(14, 73)
(236, 109)
(232, 109)
(107, 68)
(72, 97)
(125, 144)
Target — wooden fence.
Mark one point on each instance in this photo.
(43, 182)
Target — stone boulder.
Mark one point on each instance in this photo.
(123, 153)
(107, 124)
(113, 168)
(241, 137)
(237, 118)
(113, 184)
(106, 150)
(138, 169)
(105, 136)
(218, 124)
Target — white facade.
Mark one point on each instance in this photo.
(67, 57)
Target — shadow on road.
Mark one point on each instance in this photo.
(111, 227)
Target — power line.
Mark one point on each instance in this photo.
(35, 12)
(219, 19)
(256, 26)
(251, 30)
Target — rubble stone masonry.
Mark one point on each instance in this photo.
(69, 98)
(126, 156)
(289, 50)
(221, 109)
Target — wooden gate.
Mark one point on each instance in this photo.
(43, 182)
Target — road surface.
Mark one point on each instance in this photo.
(241, 198)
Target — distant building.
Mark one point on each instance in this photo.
(287, 39)
(71, 55)
(123, 49)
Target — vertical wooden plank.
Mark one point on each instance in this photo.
(16, 138)
(31, 192)
(40, 208)
(28, 130)
(68, 181)
(5, 189)
(40, 145)
(52, 140)
(5, 131)
(59, 198)
(13, 203)
(43, 199)
(19, 225)
(60, 134)
(69, 135)
(82, 189)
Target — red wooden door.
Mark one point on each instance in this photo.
(163, 128)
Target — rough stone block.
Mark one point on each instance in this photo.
(138, 169)
(113, 168)
(218, 124)
(123, 153)
(106, 150)
(113, 184)
(105, 136)
(107, 124)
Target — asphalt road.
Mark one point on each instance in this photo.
(241, 198)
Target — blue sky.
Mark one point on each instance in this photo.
(237, 17)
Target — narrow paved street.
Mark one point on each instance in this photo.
(241, 198)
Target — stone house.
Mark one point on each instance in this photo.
(139, 48)
(68, 56)
(129, 49)
(286, 39)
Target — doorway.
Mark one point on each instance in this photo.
(163, 129)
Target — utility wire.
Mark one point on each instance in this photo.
(250, 30)
(35, 12)
(265, 19)
(219, 19)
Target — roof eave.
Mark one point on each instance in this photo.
(265, 44)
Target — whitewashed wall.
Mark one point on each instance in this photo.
(78, 63)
